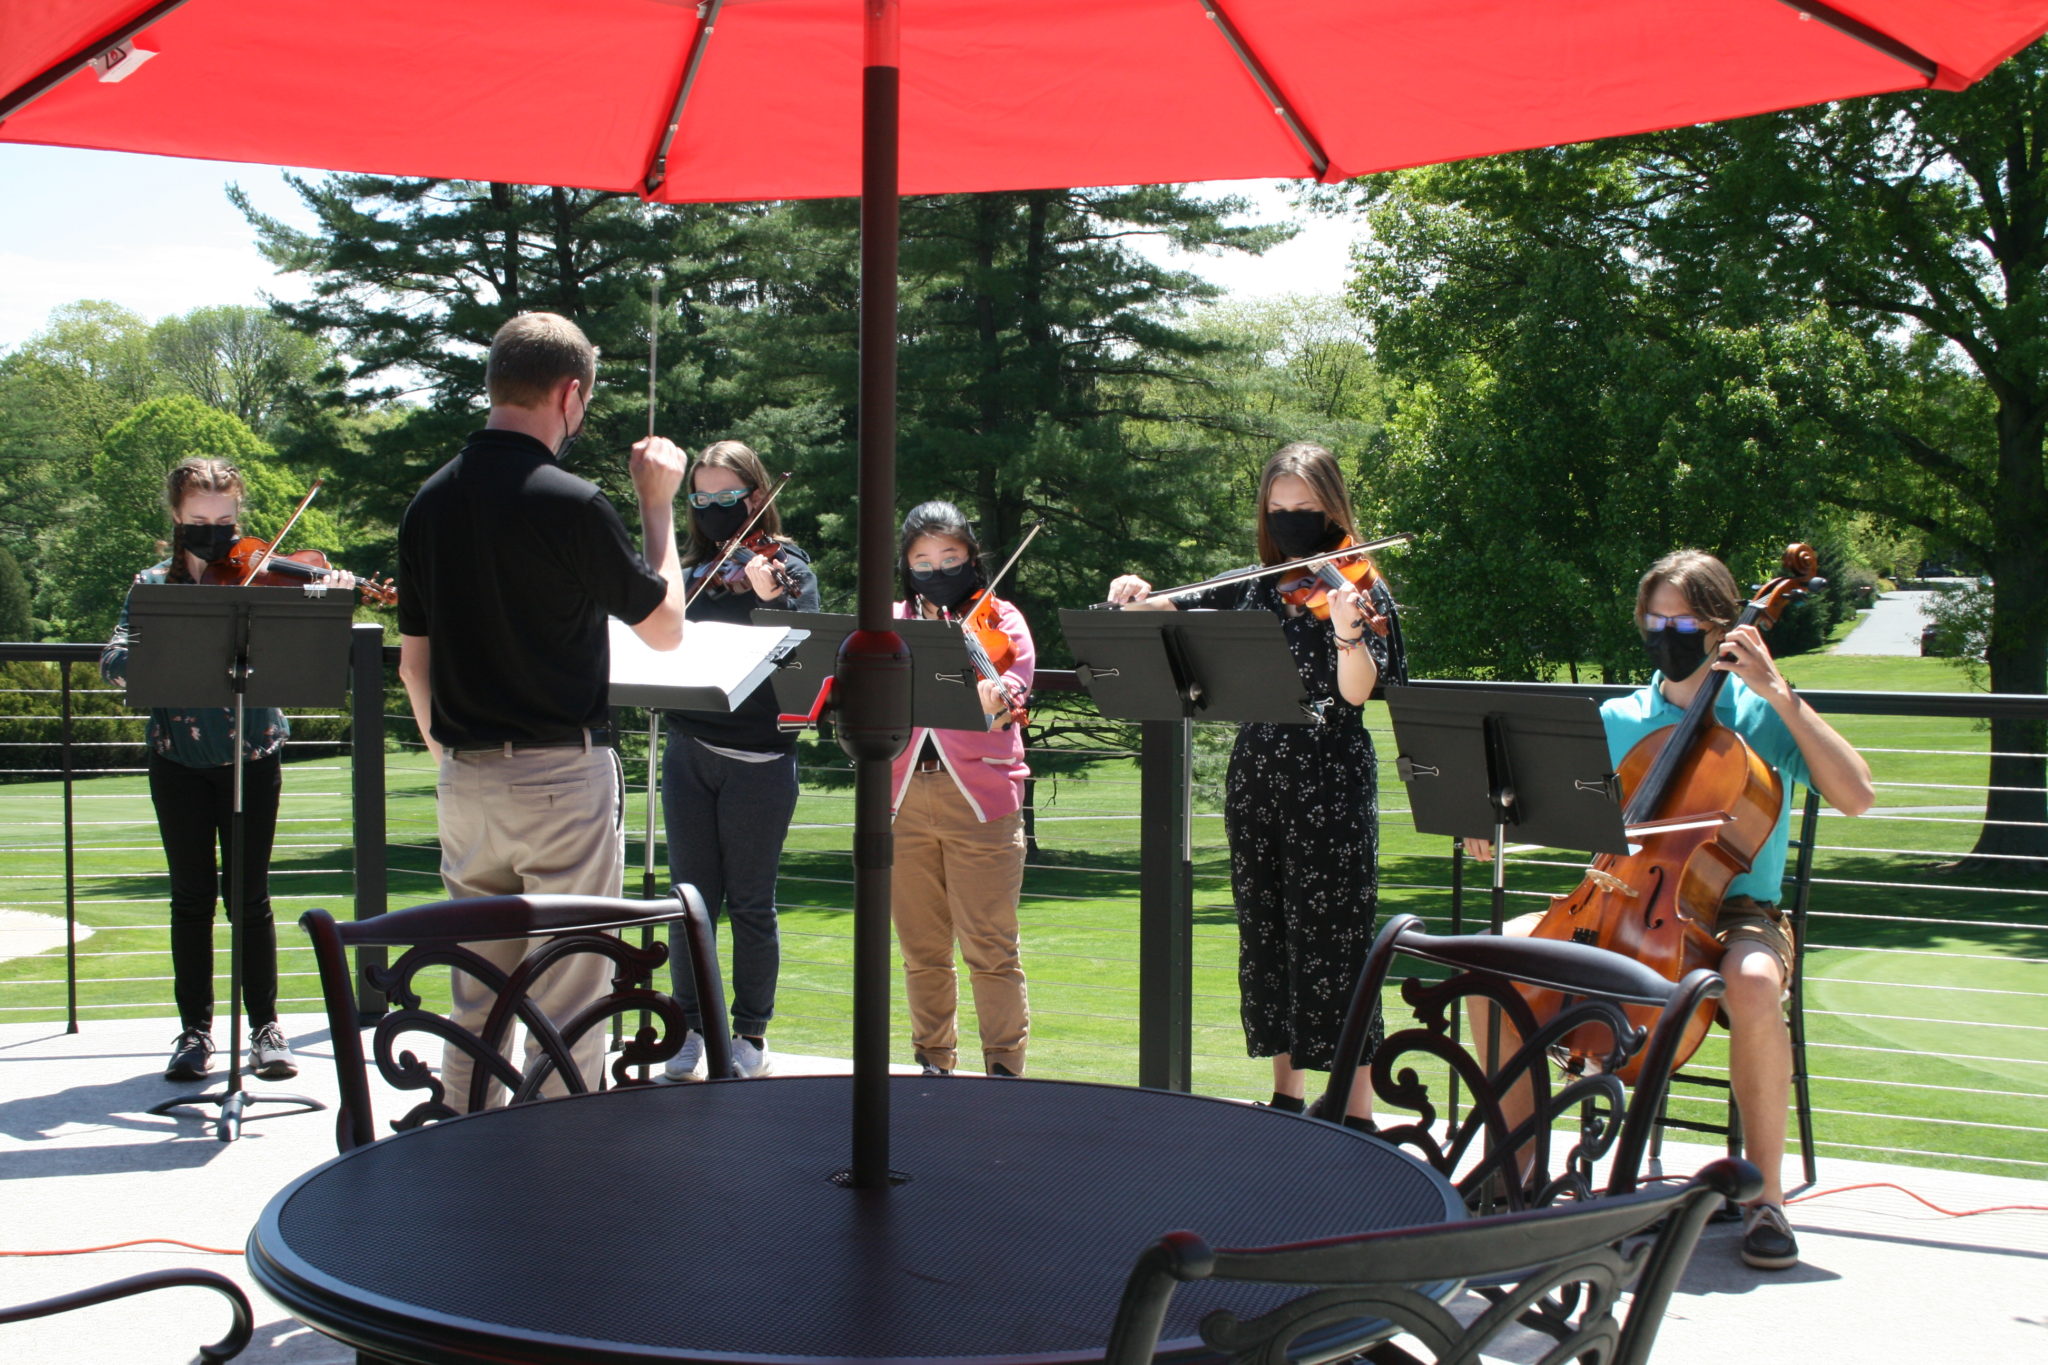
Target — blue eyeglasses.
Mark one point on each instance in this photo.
(1684, 625)
(724, 497)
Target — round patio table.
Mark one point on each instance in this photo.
(703, 1222)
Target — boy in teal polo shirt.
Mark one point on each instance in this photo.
(1686, 607)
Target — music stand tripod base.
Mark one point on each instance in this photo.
(233, 1101)
(237, 647)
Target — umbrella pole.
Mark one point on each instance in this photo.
(874, 666)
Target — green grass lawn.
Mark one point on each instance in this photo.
(1927, 1007)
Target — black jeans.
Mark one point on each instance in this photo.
(195, 814)
(726, 822)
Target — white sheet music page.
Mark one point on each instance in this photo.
(714, 669)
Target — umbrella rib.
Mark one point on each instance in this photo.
(54, 75)
(657, 165)
(1254, 68)
(1866, 35)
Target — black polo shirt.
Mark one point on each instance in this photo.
(509, 565)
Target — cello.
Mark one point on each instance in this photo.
(1700, 805)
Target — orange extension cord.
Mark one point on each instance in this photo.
(1817, 1194)
(139, 1241)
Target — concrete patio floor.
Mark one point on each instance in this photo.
(83, 1164)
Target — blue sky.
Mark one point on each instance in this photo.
(157, 235)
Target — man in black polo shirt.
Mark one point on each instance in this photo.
(508, 566)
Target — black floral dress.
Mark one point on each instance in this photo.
(1301, 809)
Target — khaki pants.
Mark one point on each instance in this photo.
(955, 876)
(530, 822)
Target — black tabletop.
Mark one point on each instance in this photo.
(702, 1223)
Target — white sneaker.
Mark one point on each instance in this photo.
(687, 1065)
(749, 1060)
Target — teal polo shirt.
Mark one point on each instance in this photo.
(1645, 711)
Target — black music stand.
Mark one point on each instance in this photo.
(943, 695)
(1169, 669)
(1534, 765)
(238, 647)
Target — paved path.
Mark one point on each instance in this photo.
(24, 933)
(1892, 626)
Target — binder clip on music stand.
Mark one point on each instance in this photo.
(237, 647)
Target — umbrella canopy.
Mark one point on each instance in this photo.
(996, 94)
(772, 99)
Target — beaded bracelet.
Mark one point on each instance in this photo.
(1345, 646)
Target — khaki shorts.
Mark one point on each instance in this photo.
(1744, 919)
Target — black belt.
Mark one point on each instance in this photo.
(591, 739)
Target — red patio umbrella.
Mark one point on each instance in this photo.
(766, 99)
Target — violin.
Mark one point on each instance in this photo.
(993, 653)
(254, 562)
(989, 647)
(1700, 805)
(1349, 550)
(251, 563)
(758, 545)
(1354, 568)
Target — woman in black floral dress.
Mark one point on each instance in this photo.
(1301, 801)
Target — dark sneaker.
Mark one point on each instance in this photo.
(998, 1069)
(1767, 1241)
(191, 1055)
(931, 1068)
(270, 1057)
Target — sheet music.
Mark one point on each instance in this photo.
(715, 668)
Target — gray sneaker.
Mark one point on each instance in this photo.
(687, 1065)
(750, 1058)
(270, 1056)
(191, 1055)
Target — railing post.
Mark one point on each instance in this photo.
(70, 864)
(366, 787)
(1166, 907)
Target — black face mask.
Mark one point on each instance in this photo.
(1301, 534)
(720, 524)
(948, 588)
(207, 542)
(1674, 653)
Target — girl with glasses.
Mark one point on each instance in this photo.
(959, 824)
(1301, 807)
(728, 780)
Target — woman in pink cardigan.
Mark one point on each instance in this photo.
(959, 796)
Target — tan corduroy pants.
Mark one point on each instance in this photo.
(956, 877)
(529, 822)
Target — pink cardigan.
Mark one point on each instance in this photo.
(987, 765)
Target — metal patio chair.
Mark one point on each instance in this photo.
(227, 1348)
(433, 937)
(1460, 1127)
(1364, 1290)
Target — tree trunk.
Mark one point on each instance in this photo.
(2016, 818)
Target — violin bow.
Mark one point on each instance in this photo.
(738, 539)
(1241, 575)
(263, 560)
(653, 343)
(1015, 555)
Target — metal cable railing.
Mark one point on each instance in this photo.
(1948, 1062)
